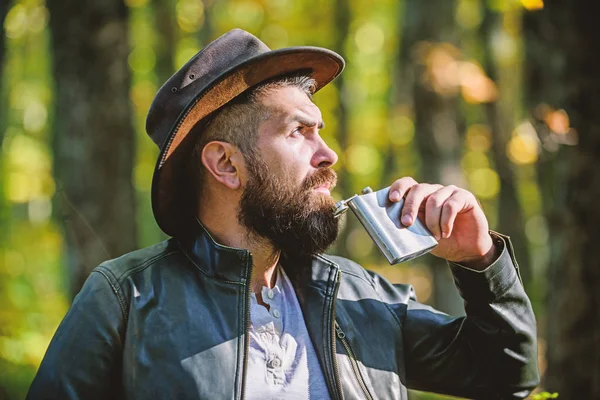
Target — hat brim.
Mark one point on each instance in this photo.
(171, 208)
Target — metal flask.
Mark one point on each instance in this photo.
(381, 218)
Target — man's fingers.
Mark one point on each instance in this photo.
(399, 188)
(413, 201)
(451, 208)
(433, 209)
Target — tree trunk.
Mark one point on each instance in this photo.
(4, 217)
(93, 133)
(342, 21)
(563, 60)
(3, 11)
(165, 24)
(510, 216)
(437, 120)
(206, 33)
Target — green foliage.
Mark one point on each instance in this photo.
(544, 395)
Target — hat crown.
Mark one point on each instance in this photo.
(224, 53)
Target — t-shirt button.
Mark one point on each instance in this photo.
(276, 313)
(270, 293)
(276, 362)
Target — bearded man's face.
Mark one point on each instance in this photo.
(288, 179)
(295, 218)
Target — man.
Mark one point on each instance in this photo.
(241, 302)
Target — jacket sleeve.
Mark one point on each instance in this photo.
(83, 358)
(492, 352)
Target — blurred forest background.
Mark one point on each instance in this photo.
(500, 97)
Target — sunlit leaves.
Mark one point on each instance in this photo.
(447, 74)
(532, 5)
(544, 396)
(475, 85)
(28, 168)
(143, 176)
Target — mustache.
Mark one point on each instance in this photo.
(324, 175)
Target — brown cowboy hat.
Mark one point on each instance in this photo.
(222, 70)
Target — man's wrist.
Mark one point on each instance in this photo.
(480, 263)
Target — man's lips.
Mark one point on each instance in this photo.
(324, 188)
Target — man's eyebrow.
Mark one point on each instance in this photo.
(305, 121)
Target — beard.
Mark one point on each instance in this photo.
(293, 218)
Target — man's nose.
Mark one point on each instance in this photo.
(324, 156)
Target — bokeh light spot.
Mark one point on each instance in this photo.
(469, 14)
(533, 4)
(522, 150)
(35, 116)
(369, 38)
(557, 121)
(484, 183)
(479, 138)
(142, 59)
(190, 15)
(142, 95)
(358, 243)
(401, 130)
(362, 159)
(473, 160)
(15, 22)
(136, 3)
(246, 14)
(39, 210)
(275, 36)
(38, 19)
(536, 230)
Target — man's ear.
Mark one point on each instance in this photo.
(223, 161)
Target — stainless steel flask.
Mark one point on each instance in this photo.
(381, 218)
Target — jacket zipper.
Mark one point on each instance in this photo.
(247, 333)
(342, 336)
(336, 372)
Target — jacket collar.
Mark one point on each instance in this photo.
(214, 259)
(234, 264)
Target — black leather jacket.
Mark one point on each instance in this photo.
(170, 322)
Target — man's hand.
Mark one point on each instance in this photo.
(453, 216)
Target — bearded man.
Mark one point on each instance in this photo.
(241, 302)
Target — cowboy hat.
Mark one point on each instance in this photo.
(225, 68)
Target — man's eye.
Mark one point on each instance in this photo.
(297, 131)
